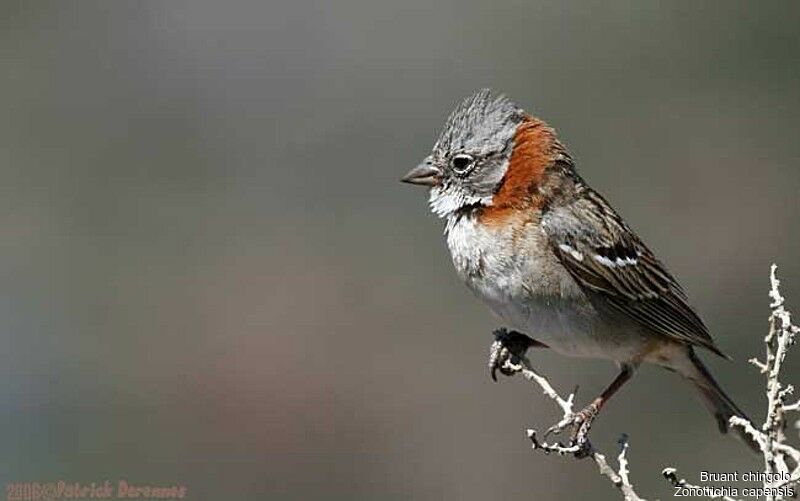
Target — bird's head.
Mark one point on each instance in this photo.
(490, 153)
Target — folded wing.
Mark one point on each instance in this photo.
(614, 266)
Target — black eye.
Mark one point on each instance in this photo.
(462, 163)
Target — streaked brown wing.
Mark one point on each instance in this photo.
(614, 266)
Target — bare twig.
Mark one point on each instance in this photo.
(781, 461)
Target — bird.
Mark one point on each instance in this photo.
(553, 260)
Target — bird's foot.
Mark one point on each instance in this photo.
(580, 423)
(506, 350)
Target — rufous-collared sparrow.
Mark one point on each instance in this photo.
(551, 258)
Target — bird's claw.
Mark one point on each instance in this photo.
(506, 350)
(580, 423)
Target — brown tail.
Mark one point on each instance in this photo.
(720, 404)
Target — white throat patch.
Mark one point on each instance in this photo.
(446, 201)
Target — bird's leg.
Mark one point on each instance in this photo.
(582, 422)
(509, 346)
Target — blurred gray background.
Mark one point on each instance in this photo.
(211, 276)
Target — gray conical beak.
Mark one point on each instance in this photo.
(423, 174)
